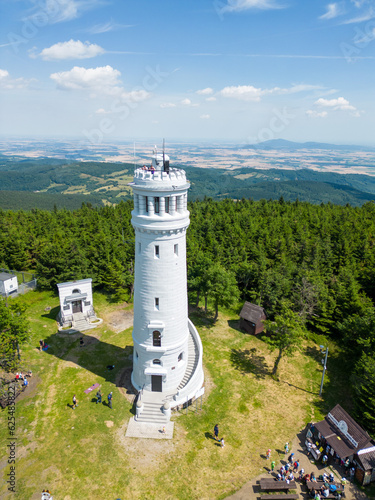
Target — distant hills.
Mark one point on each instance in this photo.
(282, 144)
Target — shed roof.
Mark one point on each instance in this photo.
(252, 312)
(342, 432)
(6, 276)
(366, 458)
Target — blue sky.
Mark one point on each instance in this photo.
(232, 70)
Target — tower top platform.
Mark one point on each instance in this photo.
(149, 178)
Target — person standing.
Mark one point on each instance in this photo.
(222, 444)
(216, 432)
(268, 453)
(109, 397)
(286, 448)
(273, 464)
(75, 402)
(98, 397)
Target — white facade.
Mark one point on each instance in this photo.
(8, 283)
(75, 298)
(161, 327)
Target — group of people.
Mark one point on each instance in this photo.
(149, 169)
(21, 376)
(287, 472)
(98, 399)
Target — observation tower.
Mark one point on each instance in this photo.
(167, 358)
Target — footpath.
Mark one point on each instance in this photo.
(251, 490)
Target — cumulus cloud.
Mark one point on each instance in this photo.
(8, 83)
(103, 78)
(333, 10)
(187, 102)
(206, 91)
(242, 5)
(316, 114)
(205, 117)
(98, 81)
(211, 99)
(336, 104)
(167, 105)
(73, 49)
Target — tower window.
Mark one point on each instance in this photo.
(156, 338)
(139, 247)
(180, 356)
(157, 303)
(156, 362)
(146, 202)
(157, 204)
(176, 249)
(166, 205)
(157, 254)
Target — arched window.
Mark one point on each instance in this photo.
(156, 361)
(76, 291)
(156, 338)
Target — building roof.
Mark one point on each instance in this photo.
(6, 276)
(343, 433)
(366, 458)
(74, 283)
(252, 312)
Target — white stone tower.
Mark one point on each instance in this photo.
(167, 359)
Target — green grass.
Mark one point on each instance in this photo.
(83, 453)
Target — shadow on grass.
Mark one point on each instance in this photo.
(296, 387)
(247, 361)
(95, 356)
(52, 313)
(208, 435)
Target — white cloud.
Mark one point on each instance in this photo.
(8, 83)
(333, 10)
(167, 105)
(58, 11)
(135, 95)
(205, 117)
(242, 92)
(207, 91)
(241, 5)
(251, 93)
(73, 49)
(104, 79)
(98, 81)
(339, 104)
(211, 99)
(106, 27)
(187, 102)
(102, 111)
(316, 114)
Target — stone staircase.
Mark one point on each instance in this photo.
(152, 412)
(81, 324)
(192, 362)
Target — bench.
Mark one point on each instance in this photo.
(316, 485)
(272, 485)
(282, 496)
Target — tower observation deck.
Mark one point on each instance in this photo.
(167, 356)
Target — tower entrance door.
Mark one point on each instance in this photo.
(156, 383)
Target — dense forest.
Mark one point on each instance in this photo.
(315, 261)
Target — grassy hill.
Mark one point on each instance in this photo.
(84, 453)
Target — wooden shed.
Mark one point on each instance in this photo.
(251, 318)
(365, 462)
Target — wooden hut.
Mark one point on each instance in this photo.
(251, 318)
(365, 462)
